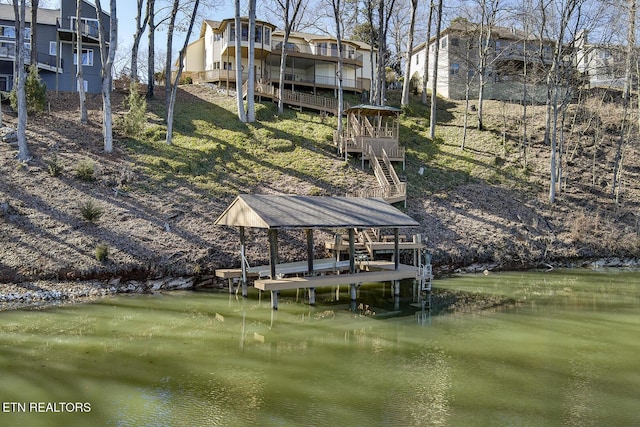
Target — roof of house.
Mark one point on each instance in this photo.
(45, 16)
(275, 211)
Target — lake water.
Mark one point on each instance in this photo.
(566, 354)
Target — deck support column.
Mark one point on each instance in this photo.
(274, 300)
(396, 249)
(243, 261)
(353, 289)
(312, 296)
(352, 251)
(312, 291)
(273, 251)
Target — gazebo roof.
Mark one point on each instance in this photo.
(273, 211)
(374, 110)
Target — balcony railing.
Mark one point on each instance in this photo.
(8, 51)
(315, 50)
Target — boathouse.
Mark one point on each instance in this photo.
(278, 212)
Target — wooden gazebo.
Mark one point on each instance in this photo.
(275, 212)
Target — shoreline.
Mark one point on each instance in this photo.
(45, 293)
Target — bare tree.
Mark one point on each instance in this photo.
(337, 13)
(489, 12)
(434, 83)
(251, 110)
(34, 31)
(385, 12)
(173, 86)
(141, 23)
(19, 10)
(625, 126)
(79, 64)
(242, 116)
(107, 55)
(426, 53)
(289, 11)
(407, 64)
(151, 64)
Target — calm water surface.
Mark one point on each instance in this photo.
(567, 354)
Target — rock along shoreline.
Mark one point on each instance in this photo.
(43, 293)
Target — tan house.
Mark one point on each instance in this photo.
(458, 57)
(311, 61)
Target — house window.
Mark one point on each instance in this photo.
(232, 32)
(455, 42)
(52, 49)
(443, 43)
(455, 68)
(245, 32)
(227, 66)
(604, 54)
(6, 83)
(8, 31)
(267, 36)
(87, 57)
(85, 85)
(258, 38)
(27, 33)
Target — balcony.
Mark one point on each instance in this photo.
(44, 61)
(318, 51)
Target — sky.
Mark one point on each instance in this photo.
(126, 11)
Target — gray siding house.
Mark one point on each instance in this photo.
(55, 46)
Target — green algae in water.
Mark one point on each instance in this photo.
(565, 354)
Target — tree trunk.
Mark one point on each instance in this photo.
(425, 77)
(434, 84)
(407, 68)
(34, 31)
(79, 59)
(151, 63)
(19, 9)
(140, 26)
(173, 89)
(626, 102)
(167, 65)
(337, 16)
(107, 54)
(251, 79)
(238, 65)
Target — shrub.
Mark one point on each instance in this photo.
(91, 211)
(135, 120)
(85, 170)
(53, 166)
(36, 92)
(186, 80)
(102, 252)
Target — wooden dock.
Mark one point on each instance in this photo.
(370, 271)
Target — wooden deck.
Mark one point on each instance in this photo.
(371, 271)
(300, 267)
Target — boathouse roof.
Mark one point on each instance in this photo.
(275, 211)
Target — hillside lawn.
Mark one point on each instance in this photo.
(479, 206)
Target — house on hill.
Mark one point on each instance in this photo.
(311, 60)
(55, 46)
(511, 52)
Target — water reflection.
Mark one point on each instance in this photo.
(563, 353)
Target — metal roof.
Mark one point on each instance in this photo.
(374, 110)
(272, 211)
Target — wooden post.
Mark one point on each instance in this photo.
(274, 300)
(243, 261)
(352, 251)
(396, 249)
(312, 291)
(273, 251)
(353, 289)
